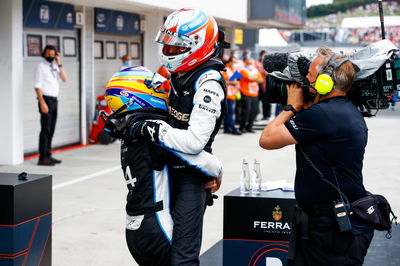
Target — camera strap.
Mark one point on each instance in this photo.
(341, 208)
(342, 196)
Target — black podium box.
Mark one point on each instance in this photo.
(257, 227)
(25, 220)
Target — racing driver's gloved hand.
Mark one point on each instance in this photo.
(112, 129)
(143, 130)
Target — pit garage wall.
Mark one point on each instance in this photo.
(11, 77)
(47, 22)
(67, 127)
(105, 67)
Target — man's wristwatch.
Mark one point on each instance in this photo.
(289, 107)
(60, 65)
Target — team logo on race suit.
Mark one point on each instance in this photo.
(277, 214)
(207, 109)
(44, 13)
(207, 99)
(203, 78)
(179, 115)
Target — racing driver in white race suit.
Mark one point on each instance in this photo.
(191, 50)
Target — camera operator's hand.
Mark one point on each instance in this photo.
(295, 96)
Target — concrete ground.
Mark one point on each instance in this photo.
(89, 190)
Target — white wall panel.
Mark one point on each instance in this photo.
(11, 76)
(68, 121)
(105, 68)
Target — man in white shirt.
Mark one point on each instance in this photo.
(47, 76)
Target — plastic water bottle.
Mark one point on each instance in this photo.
(245, 178)
(256, 178)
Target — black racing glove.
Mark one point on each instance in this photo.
(211, 198)
(111, 127)
(143, 130)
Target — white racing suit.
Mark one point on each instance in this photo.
(196, 109)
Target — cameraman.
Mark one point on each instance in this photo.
(330, 136)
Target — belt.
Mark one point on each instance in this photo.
(320, 210)
(50, 97)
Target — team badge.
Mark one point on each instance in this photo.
(277, 214)
(207, 99)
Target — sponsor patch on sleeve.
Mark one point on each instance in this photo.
(207, 99)
(208, 109)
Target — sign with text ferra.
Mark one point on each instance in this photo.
(257, 227)
(116, 22)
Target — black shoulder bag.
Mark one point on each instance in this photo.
(376, 211)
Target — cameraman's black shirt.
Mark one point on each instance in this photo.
(331, 133)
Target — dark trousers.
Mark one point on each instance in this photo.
(249, 112)
(229, 120)
(313, 244)
(48, 125)
(148, 245)
(238, 111)
(188, 203)
(266, 106)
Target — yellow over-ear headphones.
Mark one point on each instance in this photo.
(326, 80)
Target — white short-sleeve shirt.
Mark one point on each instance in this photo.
(47, 78)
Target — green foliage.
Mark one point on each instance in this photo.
(336, 6)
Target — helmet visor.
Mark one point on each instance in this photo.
(168, 37)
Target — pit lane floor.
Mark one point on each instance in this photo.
(89, 191)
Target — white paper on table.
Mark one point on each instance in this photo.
(279, 184)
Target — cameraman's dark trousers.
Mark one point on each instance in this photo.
(317, 240)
